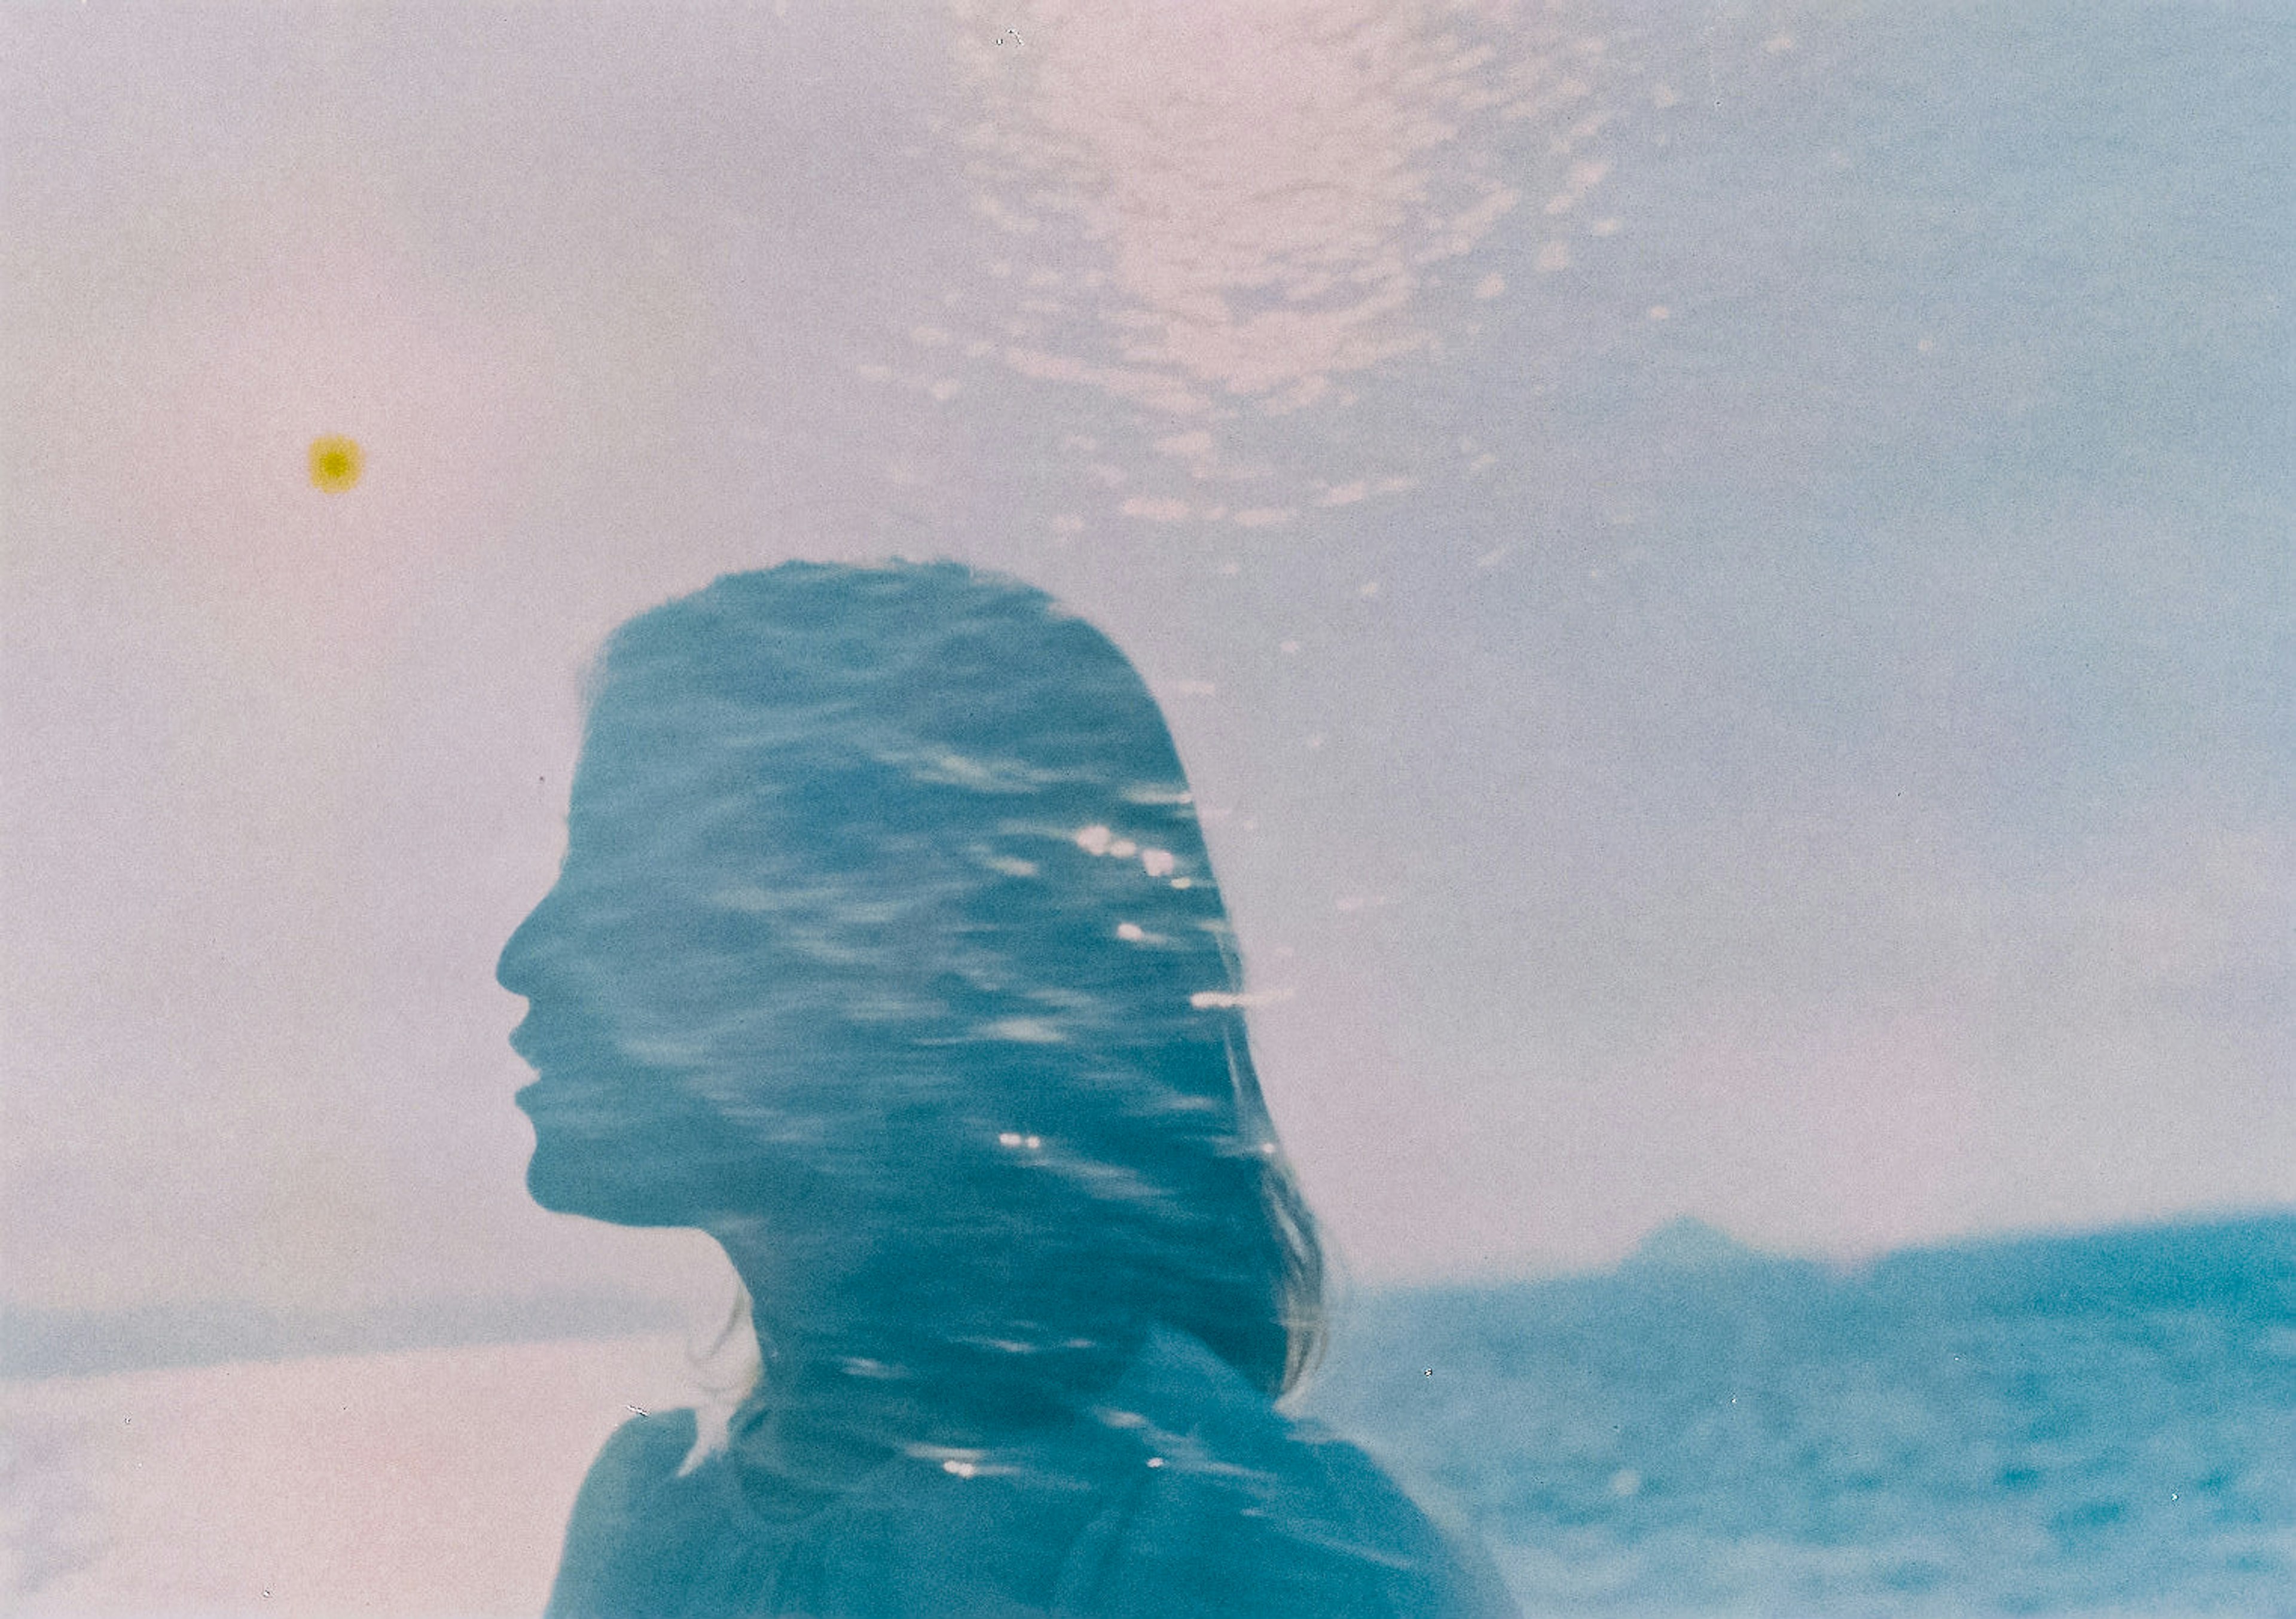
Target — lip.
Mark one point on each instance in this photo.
(560, 1089)
(541, 1045)
(554, 1102)
(536, 1050)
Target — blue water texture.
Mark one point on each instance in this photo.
(2095, 1424)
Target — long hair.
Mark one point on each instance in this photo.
(958, 901)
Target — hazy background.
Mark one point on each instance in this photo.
(1722, 572)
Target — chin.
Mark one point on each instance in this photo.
(576, 1182)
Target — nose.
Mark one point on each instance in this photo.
(518, 968)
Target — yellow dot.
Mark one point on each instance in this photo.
(335, 464)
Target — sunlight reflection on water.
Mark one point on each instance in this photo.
(1209, 209)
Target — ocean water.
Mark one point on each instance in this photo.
(2092, 1425)
(1869, 406)
(2102, 1424)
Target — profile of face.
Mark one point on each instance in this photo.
(884, 903)
(611, 963)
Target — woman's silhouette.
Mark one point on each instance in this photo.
(887, 951)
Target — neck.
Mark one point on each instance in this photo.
(865, 1358)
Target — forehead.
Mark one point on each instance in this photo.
(657, 763)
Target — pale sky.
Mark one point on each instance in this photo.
(1722, 573)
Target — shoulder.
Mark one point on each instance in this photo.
(646, 1439)
(625, 1523)
(1236, 1508)
(642, 1456)
(1445, 1566)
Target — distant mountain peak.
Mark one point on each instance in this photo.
(1686, 1243)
